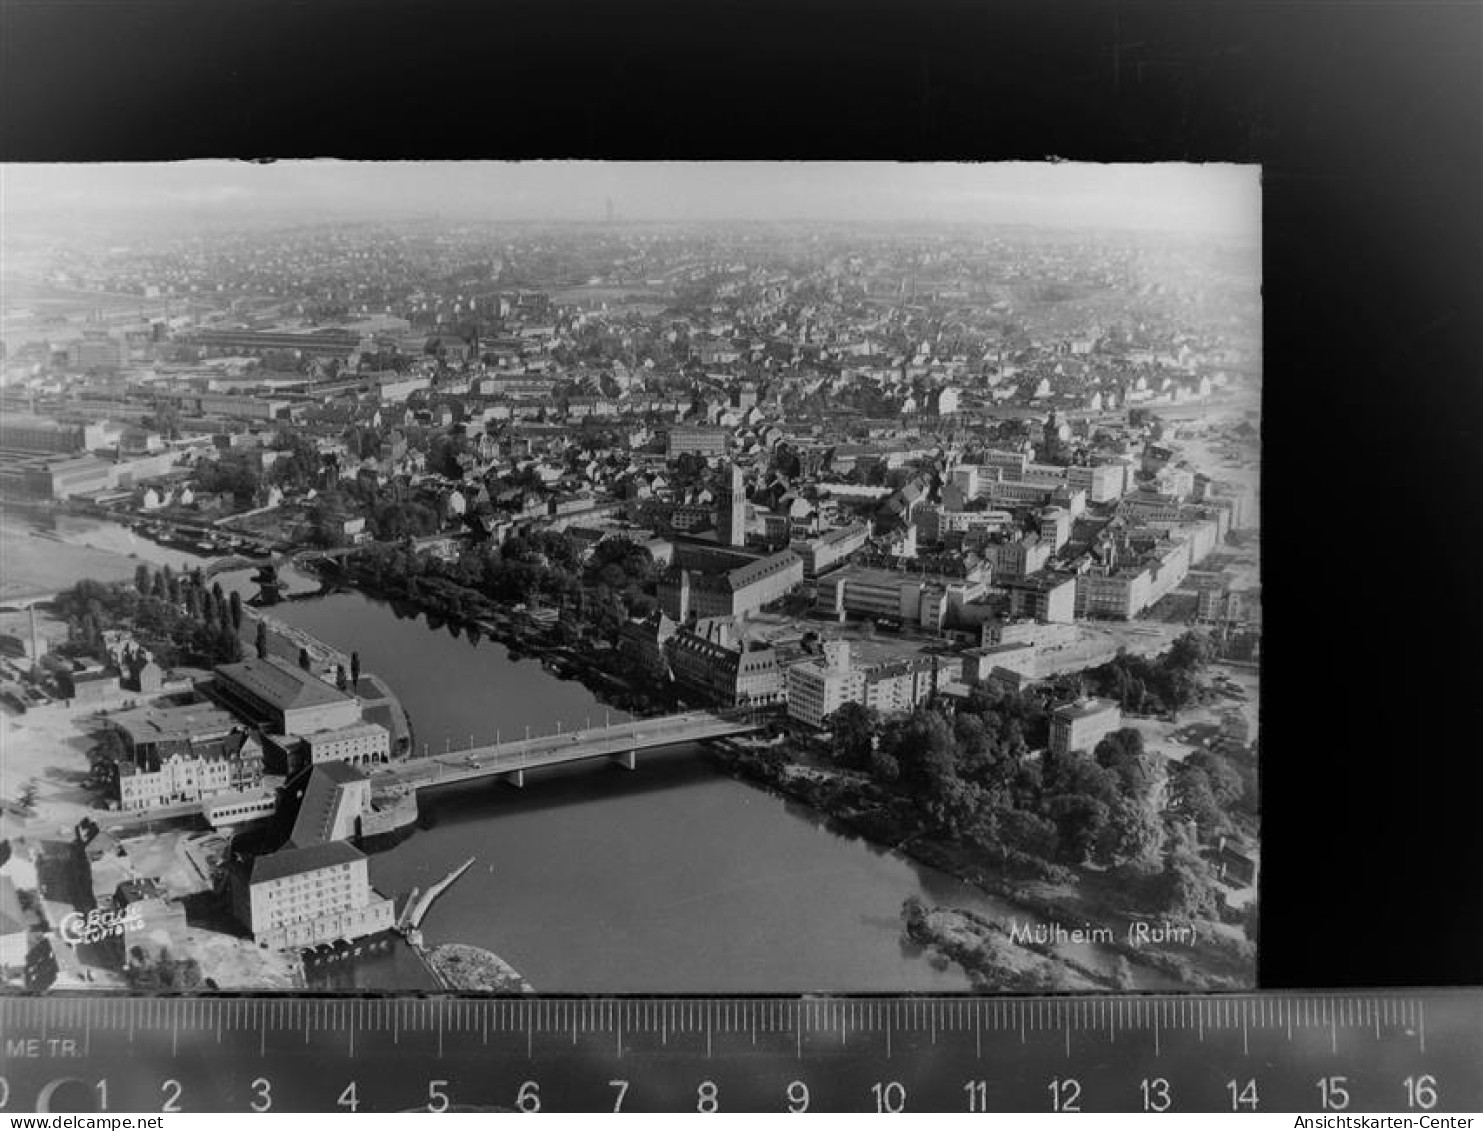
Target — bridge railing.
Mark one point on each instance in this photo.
(519, 750)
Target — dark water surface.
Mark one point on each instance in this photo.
(671, 878)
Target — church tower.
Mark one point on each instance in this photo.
(731, 510)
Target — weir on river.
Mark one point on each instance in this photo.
(417, 908)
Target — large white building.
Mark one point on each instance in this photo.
(1102, 483)
(1020, 558)
(1117, 594)
(830, 549)
(873, 593)
(315, 888)
(361, 744)
(302, 897)
(818, 687)
(1080, 726)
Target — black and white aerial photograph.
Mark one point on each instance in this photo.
(630, 577)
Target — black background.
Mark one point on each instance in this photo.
(1367, 119)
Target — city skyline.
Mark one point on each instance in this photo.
(1219, 200)
(956, 527)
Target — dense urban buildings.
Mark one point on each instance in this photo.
(920, 503)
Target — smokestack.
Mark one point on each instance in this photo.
(35, 638)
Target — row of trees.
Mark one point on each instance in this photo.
(177, 618)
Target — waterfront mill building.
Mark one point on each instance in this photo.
(316, 887)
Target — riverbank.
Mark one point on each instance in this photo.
(858, 808)
(1207, 959)
(379, 702)
(990, 954)
(35, 567)
(472, 969)
(523, 635)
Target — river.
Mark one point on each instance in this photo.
(671, 878)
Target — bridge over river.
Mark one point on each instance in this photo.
(618, 742)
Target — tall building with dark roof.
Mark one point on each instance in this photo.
(709, 582)
(719, 673)
(316, 887)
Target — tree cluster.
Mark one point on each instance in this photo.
(1163, 684)
(151, 973)
(177, 618)
(965, 774)
(540, 570)
(232, 473)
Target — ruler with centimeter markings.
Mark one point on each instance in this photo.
(1363, 1051)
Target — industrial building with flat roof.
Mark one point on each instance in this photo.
(316, 887)
(286, 698)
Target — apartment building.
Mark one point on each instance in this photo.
(696, 440)
(1019, 558)
(1042, 596)
(831, 549)
(1102, 483)
(726, 675)
(901, 685)
(1117, 594)
(1081, 725)
(818, 687)
(181, 754)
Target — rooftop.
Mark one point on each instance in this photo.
(296, 861)
(355, 730)
(865, 575)
(1043, 581)
(159, 724)
(321, 802)
(280, 684)
(1002, 649)
(765, 567)
(1086, 708)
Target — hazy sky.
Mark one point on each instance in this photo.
(1221, 199)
